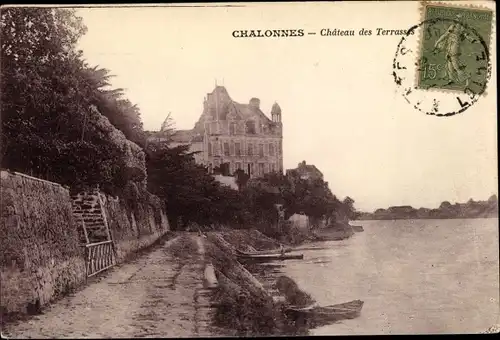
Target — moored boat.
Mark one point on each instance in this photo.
(270, 257)
(348, 310)
(357, 228)
(263, 252)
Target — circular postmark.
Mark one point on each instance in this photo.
(444, 73)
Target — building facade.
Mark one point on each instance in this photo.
(229, 135)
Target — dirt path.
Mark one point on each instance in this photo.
(153, 296)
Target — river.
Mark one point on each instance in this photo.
(415, 276)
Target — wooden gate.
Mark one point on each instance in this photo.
(100, 251)
(99, 257)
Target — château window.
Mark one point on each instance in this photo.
(273, 168)
(261, 169)
(209, 147)
(271, 149)
(279, 147)
(250, 149)
(232, 128)
(238, 166)
(226, 149)
(237, 149)
(250, 127)
(251, 168)
(261, 150)
(232, 148)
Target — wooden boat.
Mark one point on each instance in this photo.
(348, 310)
(270, 257)
(357, 228)
(263, 252)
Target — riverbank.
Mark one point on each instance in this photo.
(251, 301)
(244, 306)
(294, 235)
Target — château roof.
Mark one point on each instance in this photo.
(246, 111)
(241, 111)
(225, 102)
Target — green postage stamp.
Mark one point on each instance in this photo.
(454, 48)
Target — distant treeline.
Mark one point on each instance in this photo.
(471, 209)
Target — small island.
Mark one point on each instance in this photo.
(471, 209)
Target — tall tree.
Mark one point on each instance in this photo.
(48, 126)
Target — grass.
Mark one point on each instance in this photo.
(245, 313)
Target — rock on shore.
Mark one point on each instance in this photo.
(337, 232)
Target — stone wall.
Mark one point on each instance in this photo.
(136, 222)
(40, 255)
(41, 235)
(133, 222)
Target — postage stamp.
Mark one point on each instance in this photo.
(443, 64)
(454, 47)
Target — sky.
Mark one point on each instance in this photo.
(341, 110)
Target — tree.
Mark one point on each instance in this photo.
(47, 93)
(33, 42)
(124, 115)
(241, 179)
(190, 193)
(348, 206)
(168, 125)
(493, 200)
(445, 205)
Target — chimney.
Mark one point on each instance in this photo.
(254, 103)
